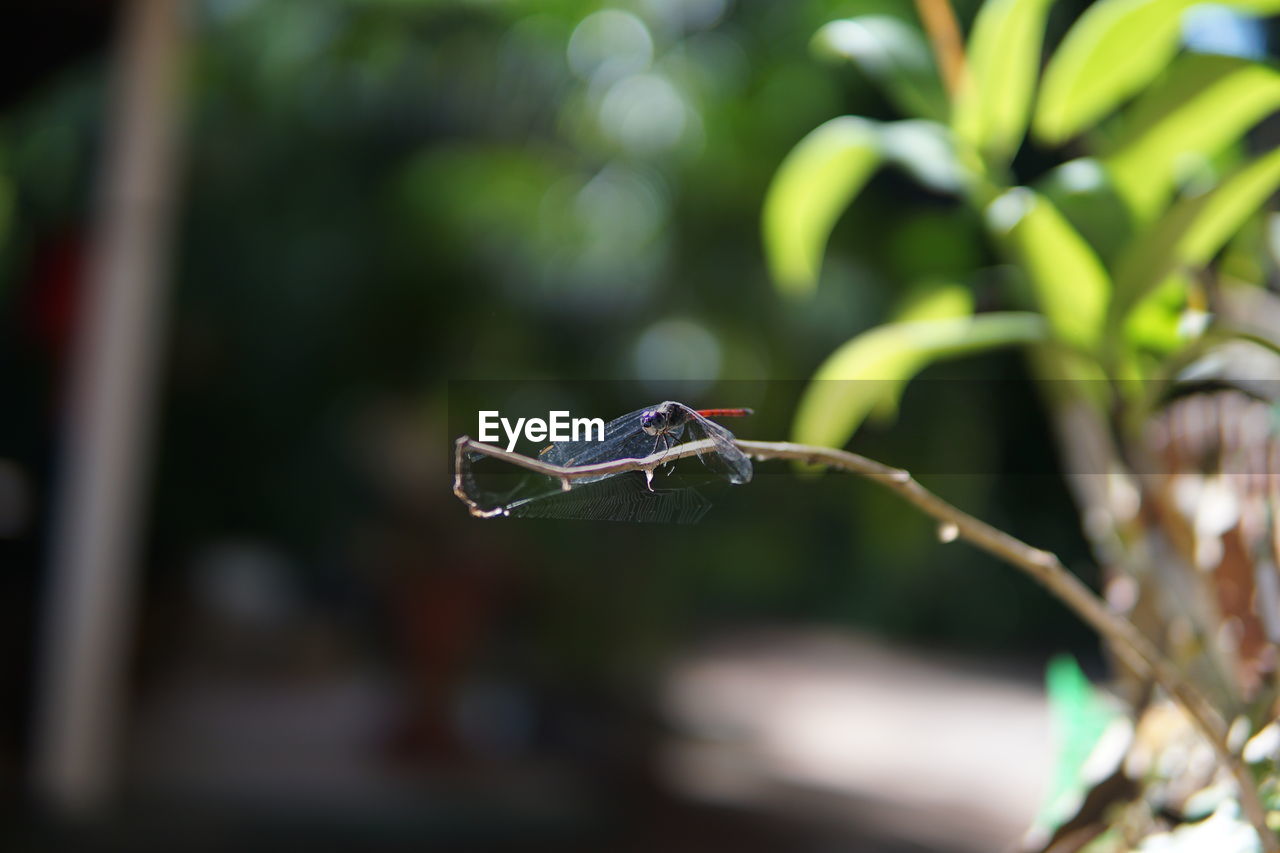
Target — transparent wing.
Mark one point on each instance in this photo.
(622, 498)
(624, 438)
(724, 457)
(495, 487)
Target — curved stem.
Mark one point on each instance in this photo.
(1127, 641)
(940, 24)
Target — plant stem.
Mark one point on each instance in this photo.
(1127, 641)
(940, 24)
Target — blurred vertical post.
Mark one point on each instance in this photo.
(112, 390)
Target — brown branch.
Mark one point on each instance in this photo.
(940, 24)
(1127, 641)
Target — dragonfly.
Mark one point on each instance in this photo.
(628, 495)
(642, 433)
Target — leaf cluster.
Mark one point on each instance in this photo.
(1109, 248)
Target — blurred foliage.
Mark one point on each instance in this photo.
(1128, 252)
(1120, 305)
(379, 197)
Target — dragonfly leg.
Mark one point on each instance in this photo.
(669, 443)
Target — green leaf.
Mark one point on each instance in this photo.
(1262, 8)
(924, 150)
(1004, 61)
(1113, 50)
(926, 300)
(1150, 289)
(1083, 191)
(1156, 323)
(934, 300)
(1155, 255)
(1205, 104)
(1070, 283)
(850, 383)
(1230, 205)
(814, 184)
(893, 53)
(1079, 716)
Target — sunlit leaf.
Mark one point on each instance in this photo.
(851, 382)
(1203, 105)
(893, 53)
(1154, 256)
(1082, 190)
(814, 184)
(925, 151)
(1156, 323)
(934, 300)
(1253, 7)
(1230, 205)
(926, 300)
(1112, 51)
(1149, 285)
(1070, 283)
(1004, 62)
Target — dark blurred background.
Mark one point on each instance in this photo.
(373, 199)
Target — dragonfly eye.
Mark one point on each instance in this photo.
(651, 421)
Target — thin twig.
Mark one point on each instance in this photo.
(1043, 566)
(940, 24)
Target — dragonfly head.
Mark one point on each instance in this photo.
(655, 421)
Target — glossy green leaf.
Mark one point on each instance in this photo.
(1004, 61)
(814, 184)
(1205, 104)
(894, 54)
(1113, 50)
(850, 384)
(1070, 283)
(1229, 206)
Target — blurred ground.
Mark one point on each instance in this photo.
(815, 722)
(769, 740)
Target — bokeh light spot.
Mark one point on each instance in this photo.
(678, 349)
(609, 45)
(644, 113)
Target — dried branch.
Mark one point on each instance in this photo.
(1126, 640)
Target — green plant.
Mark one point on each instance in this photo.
(1133, 264)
